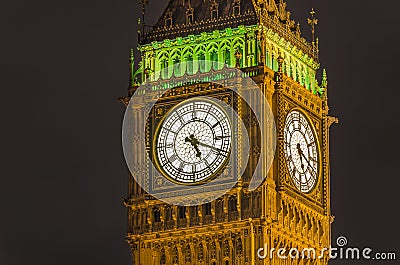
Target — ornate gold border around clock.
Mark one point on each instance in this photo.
(319, 151)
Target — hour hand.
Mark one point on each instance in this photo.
(195, 143)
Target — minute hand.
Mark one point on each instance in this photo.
(212, 147)
(308, 162)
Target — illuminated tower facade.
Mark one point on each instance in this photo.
(291, 209)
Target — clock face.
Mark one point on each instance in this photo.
(301, 151)
(193, 142)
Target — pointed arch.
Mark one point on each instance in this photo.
(175, 255)
(225, 51)
(162, 64)
(212, 56)
(225, 44)
(200, 252)
(188, 254)
(199, 58)
(163, 257)
(212, 46)
(188, 58)
(238, 41)
(175, 60)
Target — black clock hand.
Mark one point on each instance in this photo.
(195, 143)
(308, 162)
(222, 137)
(301, 154)
(196, 147)
(212, 147)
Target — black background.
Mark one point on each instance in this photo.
(63, 175)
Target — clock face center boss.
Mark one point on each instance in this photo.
(193, 142)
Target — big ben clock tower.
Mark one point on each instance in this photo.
(222, 175)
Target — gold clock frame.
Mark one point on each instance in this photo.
(319, 152)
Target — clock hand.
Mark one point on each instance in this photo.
(222, 137)
(301, 155)
(308, 162)
(212, 147)
(197, 150)
(195, 143)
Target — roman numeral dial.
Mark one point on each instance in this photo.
(193, 142)
(301, 151)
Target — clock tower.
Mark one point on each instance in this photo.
(191, 193)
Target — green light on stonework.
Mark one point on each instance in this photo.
(220, 47)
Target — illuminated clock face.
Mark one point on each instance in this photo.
(193, 142)
(301, 151)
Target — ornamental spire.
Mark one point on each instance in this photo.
(313, 21)
(324, 85)
(131, 67)
(143, 3)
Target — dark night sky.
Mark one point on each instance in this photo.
(63, 64)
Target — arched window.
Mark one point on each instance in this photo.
(200, 255)
(144, 218)
(220, 206)
(157, 216)
(239, 248)
(175, 257)
(257, 201)
(268, 58)
(135, 219)
(207, 209)
(168, 22)
(202, 62)
(214, 59)
(182, 212)
(188, 256)
(194, 211)
(307, 79)
(189, 16)
(274, 63)
(189, 63)
(214, 14)
(232, 204)
(163, 259)
(238, 50)
(213, 250)
(177, 68)
(168, 214)
(214, 11)
(168, 19)
(164, 67)
(236, 10)
(226, 248)
(227, 56)
(190, 19)
(245, 202)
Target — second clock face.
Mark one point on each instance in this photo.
(193, 142)
(301, 151)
